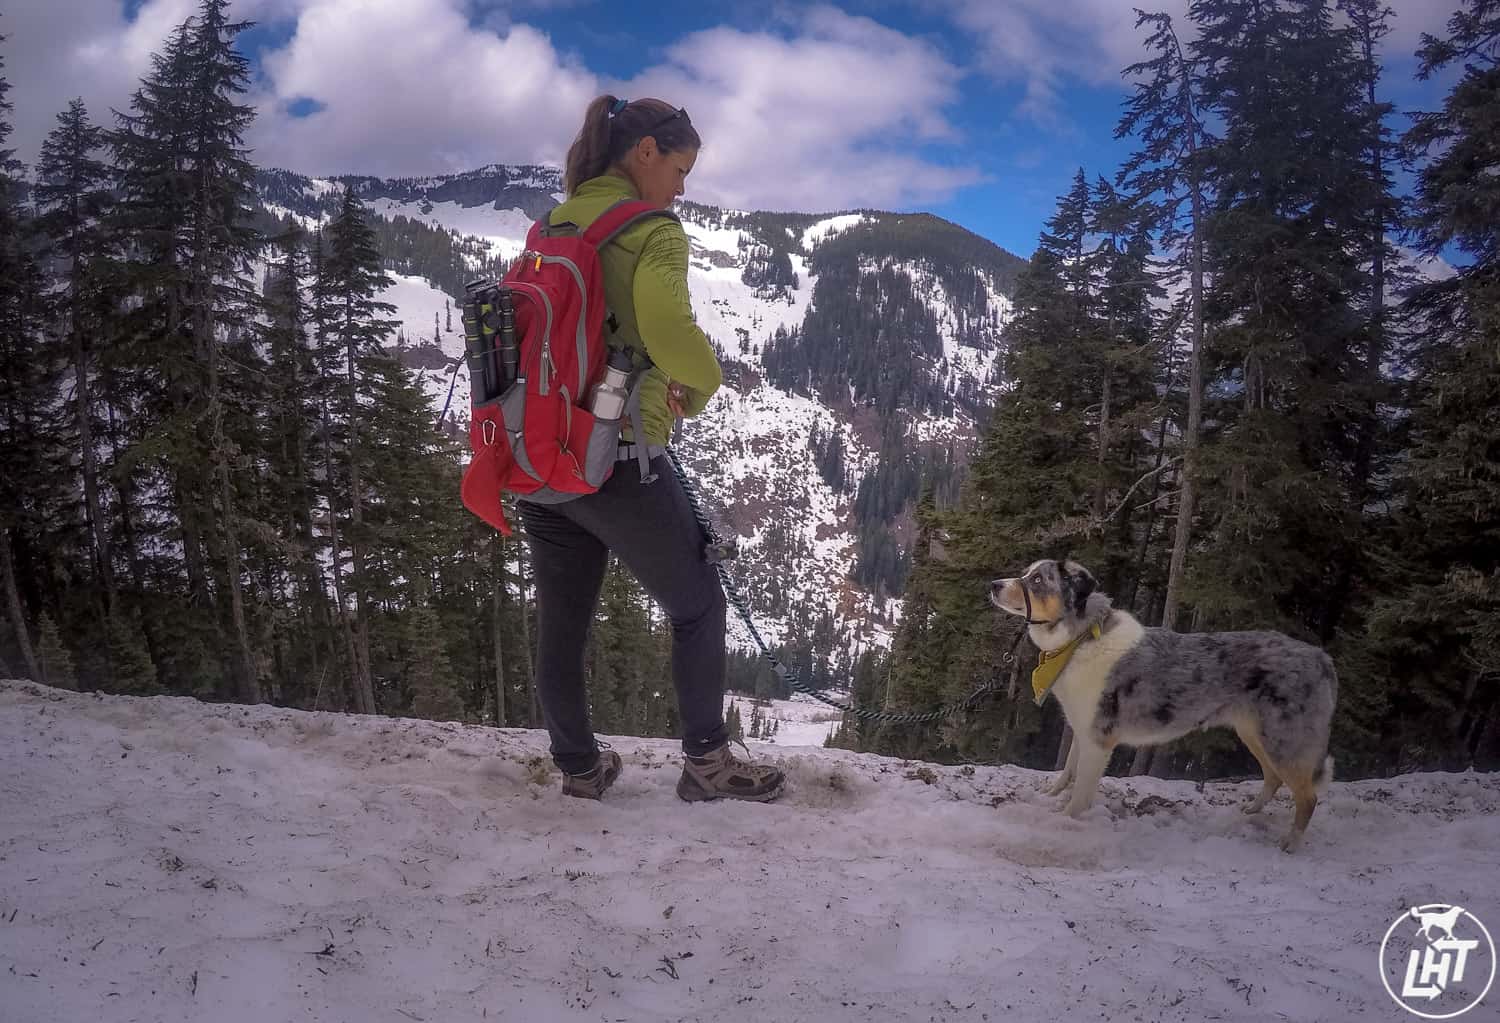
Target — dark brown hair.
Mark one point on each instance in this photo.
(606, 137)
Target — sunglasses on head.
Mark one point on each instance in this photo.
(674, 115)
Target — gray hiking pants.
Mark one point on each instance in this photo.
(652, 531)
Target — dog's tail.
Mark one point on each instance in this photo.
(1323, 776)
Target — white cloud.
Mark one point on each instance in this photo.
(831, 113)
(828, 111)
(409, 87)
(834, 114)
(56, 50)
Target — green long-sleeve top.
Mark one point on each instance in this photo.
(645, 284)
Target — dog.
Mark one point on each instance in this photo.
(1125, 683)
(1442, 921)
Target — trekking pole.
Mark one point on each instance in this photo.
(510, 353)
(482, 381)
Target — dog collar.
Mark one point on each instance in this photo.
(1052, 662)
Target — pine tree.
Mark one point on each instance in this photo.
(223, 247)
(1284, 242)
(306, 649)
(30, 452)
(1370, 24)
(132, 671)
(352, 325)
(430, 677)
(1458, 178)
(53, 657)
(1432, 652)
(184, 189)
(73, 196)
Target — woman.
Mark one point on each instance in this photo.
(638, 150)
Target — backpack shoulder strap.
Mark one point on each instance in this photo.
(620, 216)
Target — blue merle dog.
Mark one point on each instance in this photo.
(1141, 686)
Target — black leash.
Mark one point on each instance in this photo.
(718, 556)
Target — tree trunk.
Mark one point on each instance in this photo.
(1101, 487)
(1364, 452)
(247, 678)
(534, 719)
(497, 625)
(13, 607)
(1187, 495)
(90, 458)
(1151, 514)
(1187, 489)
(301, 514)
(364, 694)
(193, 558)
(340, 606)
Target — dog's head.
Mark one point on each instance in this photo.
(1058, 591)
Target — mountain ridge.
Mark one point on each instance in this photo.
(904, 308)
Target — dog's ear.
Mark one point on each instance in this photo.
(1081, 582)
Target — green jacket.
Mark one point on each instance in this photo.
(645, 284)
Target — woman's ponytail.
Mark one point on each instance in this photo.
(589, 155)
(612, 126)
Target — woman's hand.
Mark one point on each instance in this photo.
(676, 396)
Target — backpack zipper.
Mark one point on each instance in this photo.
(581, 340)
(546, 360)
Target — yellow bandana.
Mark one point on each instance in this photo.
(1051, 664)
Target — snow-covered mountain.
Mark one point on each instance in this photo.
(165, 859)
(783, 466)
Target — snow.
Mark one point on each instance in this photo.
(500, 229)
(164, 859)
(811, 236)
(317, 188)
(758, 457)
(723, 304)
(305, 222)
(800, 721)
(715, 239)
(416, 302)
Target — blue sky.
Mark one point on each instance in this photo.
(978, 110)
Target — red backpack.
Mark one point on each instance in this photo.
(536, 350)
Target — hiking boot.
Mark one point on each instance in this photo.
(722, 775)
(591, 784)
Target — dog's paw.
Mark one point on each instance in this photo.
(1292, 842)
(1252, 808)
(1058, 787)
(1076, 810)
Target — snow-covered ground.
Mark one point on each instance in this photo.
(164, 859)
